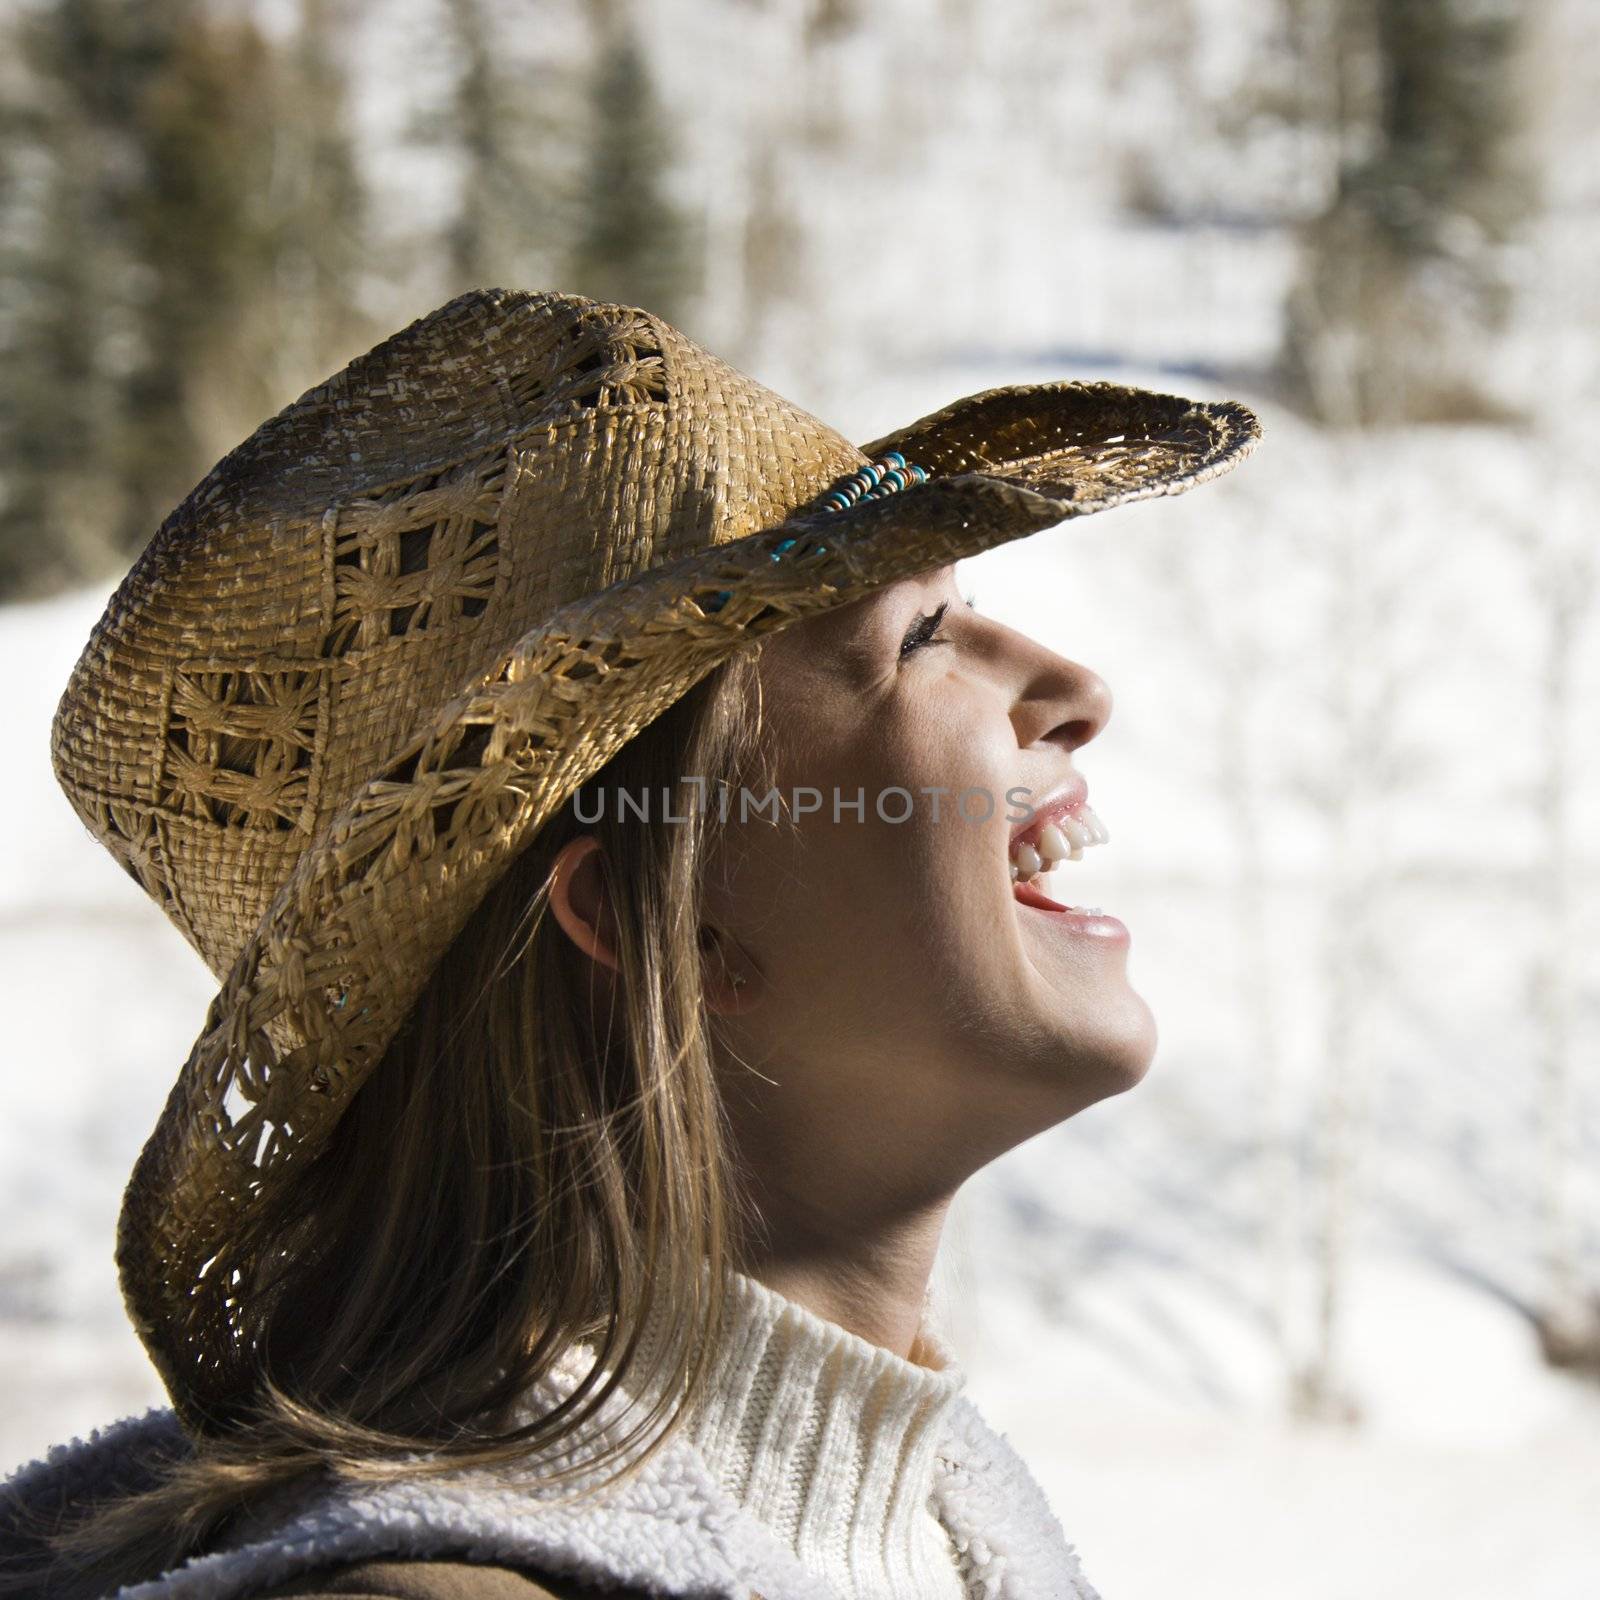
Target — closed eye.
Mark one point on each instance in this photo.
(924, 629)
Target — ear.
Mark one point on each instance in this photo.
(729, 978)
(580, 903)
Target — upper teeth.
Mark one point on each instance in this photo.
(1063, 840)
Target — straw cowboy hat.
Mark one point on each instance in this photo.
(388, 635)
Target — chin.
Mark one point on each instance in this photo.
(1138, 1043)
(1123, 1048)
(1128, 1070)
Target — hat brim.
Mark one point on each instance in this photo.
(315, 996)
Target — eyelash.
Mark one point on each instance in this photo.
(925, 629)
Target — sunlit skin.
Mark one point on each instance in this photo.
(900, 1020)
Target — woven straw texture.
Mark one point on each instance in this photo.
(390, 634)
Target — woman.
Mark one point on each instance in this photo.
(621, 852)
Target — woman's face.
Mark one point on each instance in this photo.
(896, 991)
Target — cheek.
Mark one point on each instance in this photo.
(946, 907)
(889, 918)
(957, 740)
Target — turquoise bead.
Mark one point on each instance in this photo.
(873, 481)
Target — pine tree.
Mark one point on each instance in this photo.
(507, 123)
(1404, 274)
(201, 125)
(313, 220)
(60, 277)
(636, 244)
(182, 213)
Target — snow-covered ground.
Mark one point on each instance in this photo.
(1124, 1287)
(1322, 777)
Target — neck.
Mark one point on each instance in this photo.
(866, 1272)
(877, 1297)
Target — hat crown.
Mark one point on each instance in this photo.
(378, 543)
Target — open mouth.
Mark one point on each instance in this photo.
(1060, 831)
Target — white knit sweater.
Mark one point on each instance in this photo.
(830, 1441)
(823, 1467)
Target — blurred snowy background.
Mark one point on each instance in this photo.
(1316, 1310)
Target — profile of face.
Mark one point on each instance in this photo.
(883, 992)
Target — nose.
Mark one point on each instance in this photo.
(1058, 701)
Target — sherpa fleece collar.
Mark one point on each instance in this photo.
(669, 1528)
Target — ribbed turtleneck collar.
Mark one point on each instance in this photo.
(829, 1440)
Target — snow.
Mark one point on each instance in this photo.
(1473, 1476)
(1119, 1271)
(1326, 669)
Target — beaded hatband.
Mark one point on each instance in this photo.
(875, 481)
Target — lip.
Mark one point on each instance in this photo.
(1052, 808)
(1056, 805)
(1101, 927)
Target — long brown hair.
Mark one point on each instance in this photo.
(520, 1173)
